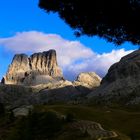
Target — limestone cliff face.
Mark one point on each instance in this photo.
(39, 68)
(122, 81)
(88, 79)
(17, 70)
(45, 63)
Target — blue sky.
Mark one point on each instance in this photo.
(24, 19)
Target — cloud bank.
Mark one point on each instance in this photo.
(72, 56)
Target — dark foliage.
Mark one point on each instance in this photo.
(2, 109)
(70, 117)
(45, 125)
(115, 20)
(11, 116)
(37, 126)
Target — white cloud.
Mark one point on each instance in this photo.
(73, 56)
(99, 62)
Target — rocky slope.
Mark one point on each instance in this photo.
(62, 91)
(68, 91)
(122, 82)
(39, 68)
(88, 79)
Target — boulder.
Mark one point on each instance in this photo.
(22, 111)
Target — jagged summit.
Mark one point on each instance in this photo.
(39, 68)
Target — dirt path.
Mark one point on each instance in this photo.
(94, 129)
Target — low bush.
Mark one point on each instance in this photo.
(2, 109)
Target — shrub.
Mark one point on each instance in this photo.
(45, 124)
(70, 117)
(37, 126)
(2, 109)
(11, 116)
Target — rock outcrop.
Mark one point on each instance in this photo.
(22, 111)
(122, 82)
(39, 68)
(88, 79)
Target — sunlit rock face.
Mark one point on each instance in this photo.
(39, 68)
(88, 79)
(122, 82)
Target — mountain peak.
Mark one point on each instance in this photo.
(39, 68)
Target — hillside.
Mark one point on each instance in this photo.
(125, 122)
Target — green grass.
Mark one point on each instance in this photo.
(125, 122)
